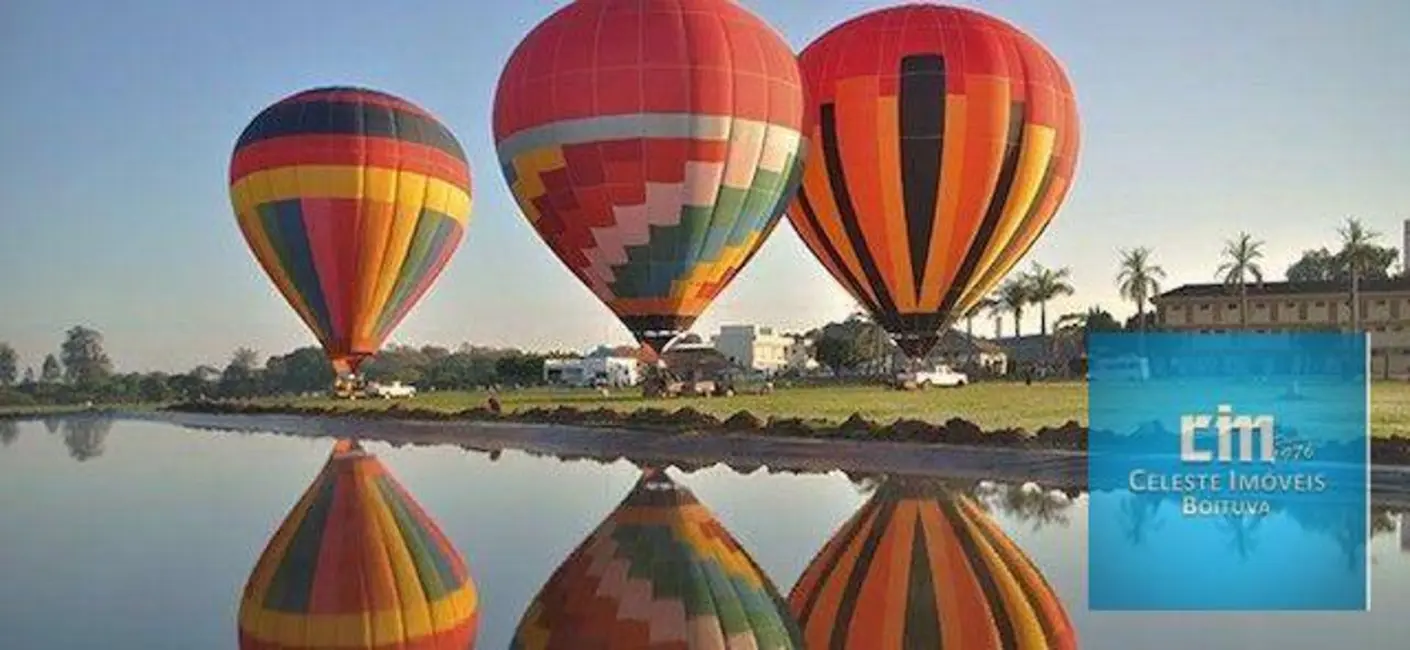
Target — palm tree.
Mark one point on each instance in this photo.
(1047, 284)
(1139, 280)
(1241, 257)
(1014, 295)
(984, 304)
(1357, 248)
(996, 312)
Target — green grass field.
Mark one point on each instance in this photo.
(991, 405)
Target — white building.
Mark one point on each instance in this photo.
(592, 371)
(800, 356)
(754, 347)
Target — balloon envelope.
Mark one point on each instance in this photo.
(943, 142)
(357, 565)
(922, 566)
(352, 200)
(653, 146)
(659, 573)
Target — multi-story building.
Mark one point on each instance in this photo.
(754, 347)
(1304, 306)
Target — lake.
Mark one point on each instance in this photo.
(141, 535)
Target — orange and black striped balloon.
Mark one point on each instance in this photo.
(943, 141)
(922, 566)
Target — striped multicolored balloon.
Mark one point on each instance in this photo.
(922, 566)
(654, 146)
(660, 573)
(944, 140)
(357, 565)
(353, 201)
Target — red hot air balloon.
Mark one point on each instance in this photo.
(943, 142)
(353, 201)
(654, 146)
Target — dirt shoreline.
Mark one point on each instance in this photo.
(1070, 436)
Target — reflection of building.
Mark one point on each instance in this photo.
(1404, 526)
(754, 347)
(1300, 306)
(598, 369)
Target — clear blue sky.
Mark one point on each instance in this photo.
(1200, 118)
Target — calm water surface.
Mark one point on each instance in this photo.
(138, 535)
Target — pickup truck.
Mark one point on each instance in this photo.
(395, 389)
(937, 376)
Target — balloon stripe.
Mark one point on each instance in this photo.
(921, 618)
(327, 221)
(847, 606)
(418, 256)
(447, 239)
(857, 119)
(298, 118)
(882, 596)
(353, 95)
(957, 587)
(410, 203)
(995, 212)
(252, 228)
(292, 583)
(349, 182)
(325, 592)
(348, 151)
(1031, 225)
(375, 231)
(974, 558)
(280, 222)
(456, 573)
(922, 108)
(261, 578)
(837, 179)
(1037, 149)
(955, 173)
(437, 578)
(987, 103)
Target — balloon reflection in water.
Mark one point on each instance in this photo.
(659, 572)
(358, 565)
(921, 565)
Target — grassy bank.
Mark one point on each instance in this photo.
(989, 405)
(48, 410)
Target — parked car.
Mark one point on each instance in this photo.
(394, 390)
(940, 375)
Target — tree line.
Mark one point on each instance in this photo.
(859, 346)
(82, 372)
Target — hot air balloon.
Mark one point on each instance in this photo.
(352, 201)
(920, 565)
(943, 142)
(653, 146)
(660, 573)
(357, 565)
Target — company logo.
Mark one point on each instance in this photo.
(1248, 453)
(1250, 429)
